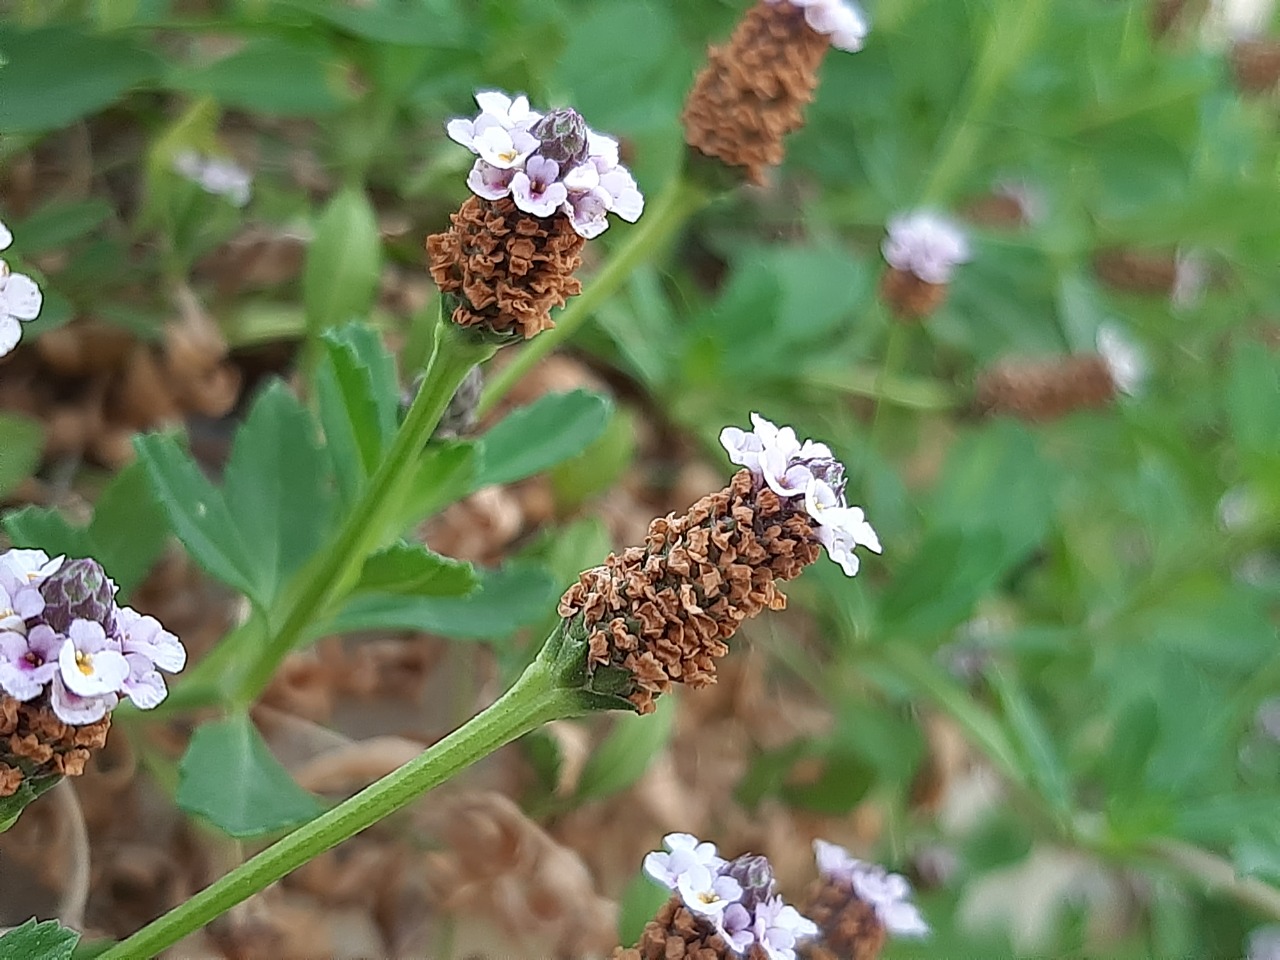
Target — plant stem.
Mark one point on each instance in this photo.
(365, 527)
(674, 206)
(895, 349)
(534, 699)
(1215, 874)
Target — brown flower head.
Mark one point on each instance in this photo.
(36, 745)
(662, 613)
(753, 90)
(543, 186)
(922, 249)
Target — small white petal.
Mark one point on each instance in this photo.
(10, 333)
(20, 297)
(6, 238)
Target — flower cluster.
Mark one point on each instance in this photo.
(888, 894)
(736, 899)
(547, 164)
(925, 244)
(808, 470)
(843, 23)
(63, 637)
(20, 299)
(215, 175)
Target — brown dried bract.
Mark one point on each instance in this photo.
(754, 89)
(507, 268)
(663, 611)
(1137, 271)
(1045, 389)
(909, 297)
(1255, 63)
(37, 742)
(676, 934)
(848, 927)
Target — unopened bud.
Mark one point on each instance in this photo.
(80, 590)
(563, 133)
(755, 876)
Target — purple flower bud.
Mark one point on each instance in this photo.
(830, 471)
(755, 876)
(80, 590)
(564, 137)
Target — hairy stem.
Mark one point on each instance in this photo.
(535, 699)
(677, 203)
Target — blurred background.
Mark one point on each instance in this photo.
(1054, 702)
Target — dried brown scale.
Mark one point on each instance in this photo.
(848, 927)
(1137, 271)
(909, 297)
(677, 934)
(38, 744)
(754, 89)
(663, 611)
(506, 267)
(1255, 64)
(1038, 390)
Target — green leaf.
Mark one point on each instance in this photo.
(553, 428)
(277, 487)
(54, 76)
(271, 76)
(1253, 400)
(507, 599)
(344, 262)
(229, 777)
(21, 440)
(359, 398)
(126, 535)
(198, 513)
(47, 940)
(632, 745)
(424, 22)
(413, 570)
(640, 902)
(939, 585)
(444, 475)
(600, 466)
(1033, 740)
(58, 223)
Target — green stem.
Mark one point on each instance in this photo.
(365, 528)
(1215, 874)
(894, 353)
(883, 386)
(677, 203)
(536, 698)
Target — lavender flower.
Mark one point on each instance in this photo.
(808, 470)
(63, 638)
(547, 164)
(926, 245)
(685, 851)
(215, 175)
(842, 22)
(779, 927)
(20, 299)
(887, 893)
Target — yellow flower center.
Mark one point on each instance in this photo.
(708, 896)
(85, 662)
(509, 155)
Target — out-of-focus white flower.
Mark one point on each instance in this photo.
(684, 852)
(1029, 198)
(1238, 509)
(1228, 20)
(926, 244)
(1190, 278)
(20, 299)
(547, 164)
(1124, 358)
(1264, 943)
(841, 21)
(215, 175)
(806, 471)
(1268, 718)
(887, 893)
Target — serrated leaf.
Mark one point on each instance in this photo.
(358, 396)
(47, 940)
(229, 777)
(624, 756)
(199, 515)
(413, 570)
(343, 262)
(277, 487)
(507, 599)
(21, 440)
(548, 431)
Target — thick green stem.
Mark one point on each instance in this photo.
(366, 526)
(536, 698)
(678, 202)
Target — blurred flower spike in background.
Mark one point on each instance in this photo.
(20, 299)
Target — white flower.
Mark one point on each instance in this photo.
(925, 244)
(887, 893)
(20, 299)
(842, 22)
(840, 528)
(510, 112)
(1124, 358)
(504, 149)
(28, 566)
(87, 663)
(489, 182)
(1264, 943)
(707, 893)
(779, 926)
(685, 852)
(215, 175)
(536, 189)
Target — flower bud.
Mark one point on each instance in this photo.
(755, 875)
(563, 133)
(79, 590)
